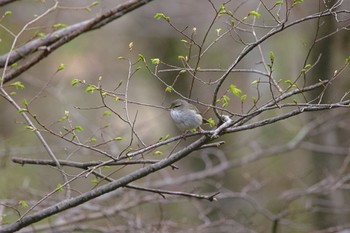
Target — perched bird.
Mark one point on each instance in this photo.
(185, 115)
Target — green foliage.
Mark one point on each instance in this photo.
(155, 61)
(60, 67)
(25, 102)
(65, 117)
(142, 58)
(23, 204)
(94, 181)
(211, 122)
(39, 35)
(95, 3)
(59, 187)
(78, 128)
(8, 13)
(169, 89)
(254, 100)
(22, 110)
(272, 57)
(161, 16)
(161, 139)
(75, 82)
(278, 3)
(306, 67)
(254, 13)
(223, 11)
(158, 152)
(107, 113)
(225, 100)
(236, 91)
(59, 26)
(347, 60)
(119, 138)
(297, 2)
(92, 139)
(243, 98)
(90, 89)
(18, 85)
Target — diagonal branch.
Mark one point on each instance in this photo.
(52, 41)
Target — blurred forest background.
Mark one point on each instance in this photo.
(289, 176)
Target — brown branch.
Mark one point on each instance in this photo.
(86, 165)
(4, 2)
(56, 39)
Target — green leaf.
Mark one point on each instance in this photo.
(23, 204)
(59, 26)
(94, 181)
(211, 122)
(116, 99)
(22, 110)
(119, 138)
(60, 187)
(60, 67)
(278, 3)
(255, 82)
(272, 57)
(90, 89)
(161, 139)
(158, 152)
(306, 67)
(222, 10)
(107, 113)
(225, 100)
(18, 85)
(14, 65)
(142, 58)
(63, 118)
(161, 16)
(236, 91)
(155, 61)
(79, 128)
(243, 98)
(75, 82)
(169, 89)
(8, 13)
(297, 2)
(254, 13)
(93, 139)
(25, 102)
(254, 100)
(39, 34)
(95, 3)
(347, 60)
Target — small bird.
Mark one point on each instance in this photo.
(185, 115)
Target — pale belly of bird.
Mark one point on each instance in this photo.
(186, 121)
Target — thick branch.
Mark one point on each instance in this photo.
(56, 39)
(70, 203)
